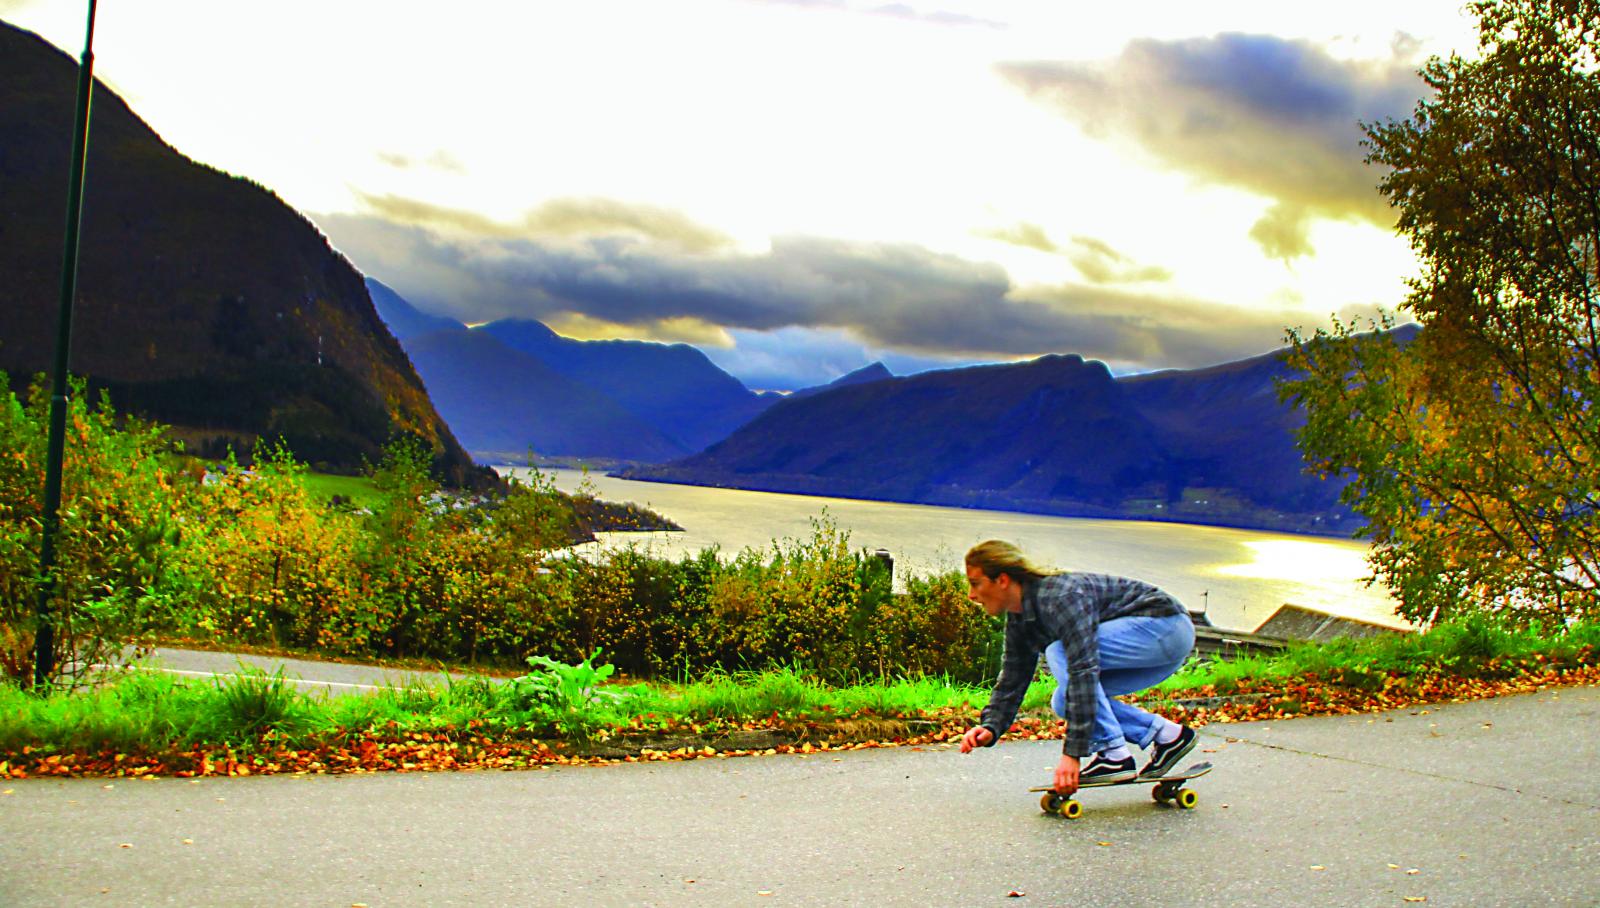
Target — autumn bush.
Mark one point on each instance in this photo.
(118, 526)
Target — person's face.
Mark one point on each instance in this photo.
(996, 594)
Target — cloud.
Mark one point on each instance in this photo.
(566, 217)
(882, 296)
(903, 11)
(439, 160)
(1133, 331)
(1272, 116)
(665, 330)
(1094, 259)
(1101, 264)
(1026, 235)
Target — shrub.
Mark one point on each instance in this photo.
(117, 522)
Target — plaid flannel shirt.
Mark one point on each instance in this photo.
(1067, 607)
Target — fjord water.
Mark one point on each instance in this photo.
(1238, 576)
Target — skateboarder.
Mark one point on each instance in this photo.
(1101, 636)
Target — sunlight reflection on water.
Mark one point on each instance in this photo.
(1240, 577)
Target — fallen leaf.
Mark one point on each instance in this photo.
(188, 841)
(126, 845)
(1318, 867)
(1394, 866)
(1413, 872)
(1102, 844)
(1416, 898)
(1015, 894)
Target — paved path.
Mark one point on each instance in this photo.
(1486, 803)
(308, 675)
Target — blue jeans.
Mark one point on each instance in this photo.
(1135, 653)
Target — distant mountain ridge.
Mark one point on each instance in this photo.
(514, 386)
(1055, 435)
(204, 302)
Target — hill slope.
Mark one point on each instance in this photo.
(204, 301)
(504, 403)
(672, 387)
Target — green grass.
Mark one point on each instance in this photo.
(151, 712)
(1464, 646)
(358, 490)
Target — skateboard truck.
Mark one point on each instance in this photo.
(1168, 789)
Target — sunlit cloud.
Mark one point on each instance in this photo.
(1101, 264)
(666, 331)
(1095, 259)
(439, 160)
(904, 11)
(563, 217)
(1026, 235)
(1276, 117)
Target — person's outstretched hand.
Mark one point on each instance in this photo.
(976, 736)
(1066, 774)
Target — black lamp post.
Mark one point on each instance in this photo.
(44, 655)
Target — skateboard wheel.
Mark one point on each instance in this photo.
(1050, 802)
(1161, 794)
(1071, 809)
(1187, 799)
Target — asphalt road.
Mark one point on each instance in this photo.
(1486, 803)
(312, 676)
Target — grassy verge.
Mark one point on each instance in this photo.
(358, 490)
(149, 724)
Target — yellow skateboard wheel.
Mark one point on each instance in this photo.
(1071, 809)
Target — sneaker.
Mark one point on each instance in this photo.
(1165, 756)
(1106, 771)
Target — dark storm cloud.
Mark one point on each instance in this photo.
(886, 296)
(1272, 116)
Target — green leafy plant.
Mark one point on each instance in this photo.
(568, 696)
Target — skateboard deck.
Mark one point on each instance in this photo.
(1169, 789)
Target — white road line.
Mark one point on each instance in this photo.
(199, 674)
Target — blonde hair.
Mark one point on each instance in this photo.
(997, 557)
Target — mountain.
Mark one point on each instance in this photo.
(515, 385)
(1056, 435)
(673, 387)
(204, 301)
(406, 321)
(869, 373)
(503, 402)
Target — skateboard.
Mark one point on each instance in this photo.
(1168, 790)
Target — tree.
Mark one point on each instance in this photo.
(1472, 451)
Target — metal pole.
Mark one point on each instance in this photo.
(44, 656)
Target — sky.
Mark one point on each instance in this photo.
(802, 187)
